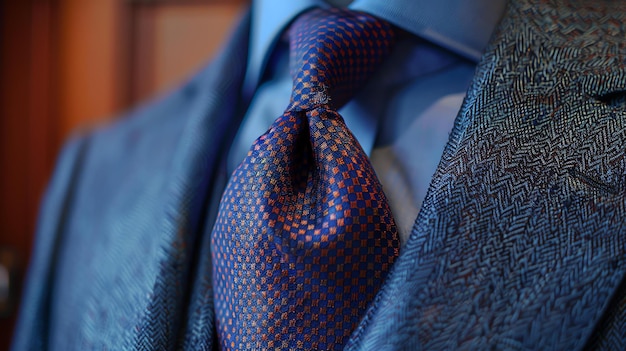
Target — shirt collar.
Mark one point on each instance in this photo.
(269, 20)
(461, 26)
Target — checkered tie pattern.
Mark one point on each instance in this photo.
(304, 236)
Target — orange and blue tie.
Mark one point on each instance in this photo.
(304, 236)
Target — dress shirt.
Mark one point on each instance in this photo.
(403, 116)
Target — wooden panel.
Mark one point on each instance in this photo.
(14, 221)
(27, 131)
(173, 40)
(187, 37)
(91, 61)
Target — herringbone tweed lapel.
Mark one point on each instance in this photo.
(521, 241)
(180, 313)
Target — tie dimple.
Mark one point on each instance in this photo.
(304, 236)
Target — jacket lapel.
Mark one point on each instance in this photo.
(194, 178)
(520, 243)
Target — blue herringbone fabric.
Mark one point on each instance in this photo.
(521, 240)
(304, 237)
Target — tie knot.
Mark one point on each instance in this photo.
(332, 53)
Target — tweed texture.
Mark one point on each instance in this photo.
(609, 333)
(521, 240)
(304, 236)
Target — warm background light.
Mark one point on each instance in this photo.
(68, 64)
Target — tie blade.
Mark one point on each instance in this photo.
(304, 237)
(296, 263)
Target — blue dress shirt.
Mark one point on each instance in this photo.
(403, 117)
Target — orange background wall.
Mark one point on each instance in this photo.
(67, 63)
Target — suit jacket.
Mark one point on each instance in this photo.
(520, 242)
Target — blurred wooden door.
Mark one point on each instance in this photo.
(71, 63)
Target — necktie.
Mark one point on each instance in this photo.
(304, 236)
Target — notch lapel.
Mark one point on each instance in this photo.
(521, 240)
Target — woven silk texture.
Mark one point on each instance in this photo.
(304, 236)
